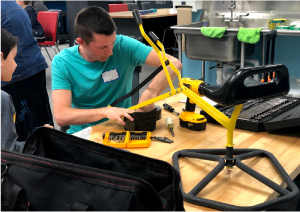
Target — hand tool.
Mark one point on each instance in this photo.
(169, 123)
(170, 108)
(162, 139)
(188, 118)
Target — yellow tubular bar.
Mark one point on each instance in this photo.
(164, 65)
(155, 99)
(229, 124)
(211, 110)
(159, 55)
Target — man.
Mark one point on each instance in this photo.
(89, 77)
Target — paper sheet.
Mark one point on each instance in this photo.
(85, 133)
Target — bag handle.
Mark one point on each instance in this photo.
(17, 199)
(79, 206)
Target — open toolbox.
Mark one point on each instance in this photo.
(264, 114)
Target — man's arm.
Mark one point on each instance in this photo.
(160, 82)
(64, 114)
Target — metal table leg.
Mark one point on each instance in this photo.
(242, 54)
(203, 70)
(179, 42)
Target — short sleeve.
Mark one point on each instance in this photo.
(136, 49)
(60, 80)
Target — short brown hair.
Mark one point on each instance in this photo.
(91, 20)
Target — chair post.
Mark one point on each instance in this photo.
(47, 52)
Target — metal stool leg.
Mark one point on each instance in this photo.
(164, 36)
(56, 44)
(47, 52)
(54, 49)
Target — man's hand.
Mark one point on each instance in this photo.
(48, 125)
(116, 114)
(66, 115)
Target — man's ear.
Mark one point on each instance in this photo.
(80, 42)
(2, 59)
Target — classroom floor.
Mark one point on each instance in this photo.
(146, 71)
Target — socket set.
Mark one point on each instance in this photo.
(264, 114)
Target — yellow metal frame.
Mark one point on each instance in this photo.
(229, 124)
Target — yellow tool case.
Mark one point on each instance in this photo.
(127, 139)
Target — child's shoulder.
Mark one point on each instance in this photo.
(5, 96)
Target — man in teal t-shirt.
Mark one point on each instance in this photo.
(89, 77)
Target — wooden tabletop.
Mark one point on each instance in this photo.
(159, 13)
(240, 189)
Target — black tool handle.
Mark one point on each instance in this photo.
(168, 107)
(189, 107)
(153, 37)
(236, 90)
(137, 17)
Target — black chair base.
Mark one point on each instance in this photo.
(286, 194)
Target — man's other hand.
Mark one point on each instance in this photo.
(116, 114)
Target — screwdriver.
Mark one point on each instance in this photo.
(170, 109)
(169, 123)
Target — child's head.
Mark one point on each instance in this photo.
(8, 53)
(23, 3)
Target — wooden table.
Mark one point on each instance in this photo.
(240, 189)
(156, 22)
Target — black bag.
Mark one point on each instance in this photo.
(62, 172)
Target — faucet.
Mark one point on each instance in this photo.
(232, 7)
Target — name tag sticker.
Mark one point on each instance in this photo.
(110, 75)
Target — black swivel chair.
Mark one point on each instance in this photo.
(132, 6)
(146, 5)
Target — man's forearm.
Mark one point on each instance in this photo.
(73, 116)
(160, 82)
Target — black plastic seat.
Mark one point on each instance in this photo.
(146, 5)
(238, 89)
(132, 6)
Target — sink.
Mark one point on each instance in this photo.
(199, 47)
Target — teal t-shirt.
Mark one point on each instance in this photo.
(88, 81)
